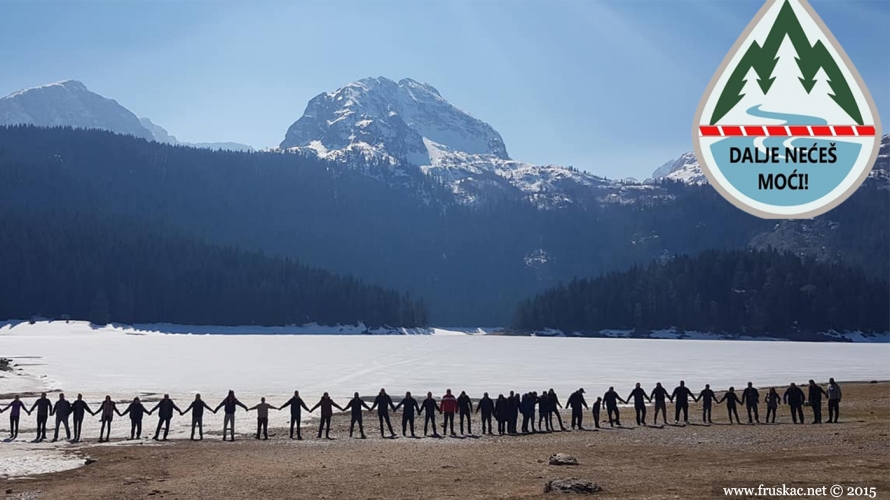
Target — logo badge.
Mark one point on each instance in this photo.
(787, 128)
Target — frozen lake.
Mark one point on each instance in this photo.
(77, 358)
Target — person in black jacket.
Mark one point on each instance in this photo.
(486, 406)
(197, 408)
(640, 398)
(544, 422)
(409, 406)
(383, 403)
(15, 407)
(465, 410)
(527, 407)
(165, 409)
(576, 403)
(815, 396)
(229, 405)
(356, 405)
(502, 414)
(327, 410)
(430, 406)
(794, 397)
(554, 405)
(772, 404)
(659, 394)
(512, 419)
(296, 409)
(707, 398)
(680, 397)
(751, 399)
(43, 406)
(611, 399)
(79, 408)
(731, 401)
(136, 411)
(106, 413)
(62, 409)
(595, 408)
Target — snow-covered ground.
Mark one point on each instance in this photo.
(77, 357)
(25, 459)
(307, 329)
(128, 362)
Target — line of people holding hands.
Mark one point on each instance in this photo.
(504, 410)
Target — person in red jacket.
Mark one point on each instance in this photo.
(448, 404)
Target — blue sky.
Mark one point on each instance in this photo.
(609, 87)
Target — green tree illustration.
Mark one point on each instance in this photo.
(810, 59)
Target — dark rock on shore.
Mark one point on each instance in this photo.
(571, 485)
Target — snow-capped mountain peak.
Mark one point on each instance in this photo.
(408, 124)
(390, 120)
(68, 103)
(65, 85)
(684, 169)
(663, 170)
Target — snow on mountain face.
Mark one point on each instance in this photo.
(409, 123)
(687, 170)
(394, 117)
(68, 104)
(663, 170)
(161, 135)
(71, 104)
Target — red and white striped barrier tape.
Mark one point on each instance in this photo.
(786, 131)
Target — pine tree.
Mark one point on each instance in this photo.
(787, 89)
(822, 98)
(783, 295)
(751, 95)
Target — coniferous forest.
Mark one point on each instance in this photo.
(396, 228)
(67, 265)
(741, 291)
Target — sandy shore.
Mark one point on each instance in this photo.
(633, 462)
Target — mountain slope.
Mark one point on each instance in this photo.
(59, 263)
(161, 135)
(393, 117)
(726, 291)
(471, 264)
(663, 170)
(408, 124)
(684, 169)
(69, 104)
